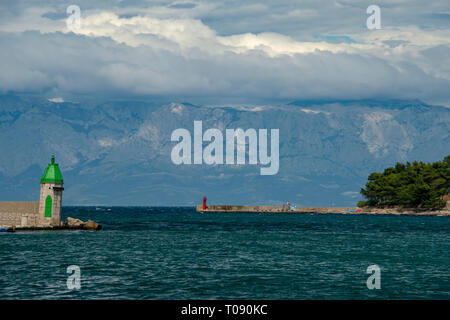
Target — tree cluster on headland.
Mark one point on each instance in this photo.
(410, 185)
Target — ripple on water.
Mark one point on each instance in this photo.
(176, 253)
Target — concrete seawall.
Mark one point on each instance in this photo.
(335, 210)
(24, 216)
(19, 213)
(272, 209)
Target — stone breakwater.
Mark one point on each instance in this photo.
(68, 224)
(24, 215)
(44, 214)
(334, 210)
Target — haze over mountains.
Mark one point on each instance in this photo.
(118, 152)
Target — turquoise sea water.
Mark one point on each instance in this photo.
(177, 253)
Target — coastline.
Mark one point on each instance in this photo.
(324, 210)
(407, 211)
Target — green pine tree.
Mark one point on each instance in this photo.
(410, 185)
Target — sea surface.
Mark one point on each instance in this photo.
(177, 253)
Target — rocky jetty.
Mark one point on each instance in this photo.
(68, 224)
(333, 210)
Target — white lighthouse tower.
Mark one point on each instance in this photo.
(50, 201)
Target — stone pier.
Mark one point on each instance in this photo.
(21, 213)
(44, 214)
(332, 210)
(272, 209)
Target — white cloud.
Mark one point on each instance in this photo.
(56, 100)
(351, 194)
(168, 49)
(108, 142)
(314, 111)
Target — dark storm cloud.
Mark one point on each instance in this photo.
(221, 50)
(103, 66)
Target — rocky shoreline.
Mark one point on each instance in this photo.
(406, 211)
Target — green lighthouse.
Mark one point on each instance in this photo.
(50, 201)
(52, 174)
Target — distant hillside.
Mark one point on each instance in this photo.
(118, 153)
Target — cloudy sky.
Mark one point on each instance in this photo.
(227, 51)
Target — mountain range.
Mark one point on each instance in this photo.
(118, 152)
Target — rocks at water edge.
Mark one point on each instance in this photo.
(79, 224)
(91, 225)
